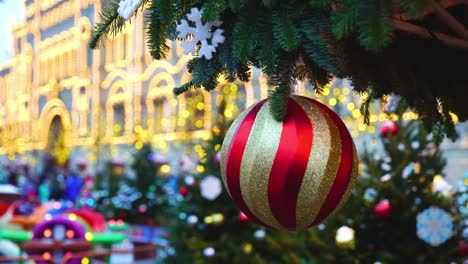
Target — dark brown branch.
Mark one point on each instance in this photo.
(424, 33)
(450, 21)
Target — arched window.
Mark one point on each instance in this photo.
(118, 110)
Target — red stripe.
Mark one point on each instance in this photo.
(234, 160)
(290, 165)
(343, 174)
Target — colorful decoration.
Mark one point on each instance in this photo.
(218, 157)
(209, 252)
(434, 226)
(128, 7)
(388, 129)
(260, 234)
(210, 187)
(439, 184)
(463, 247)
(383, 209)
(370, 194)
(289, 175)
(184, 191)
(248, 247)
(345, 237)
(200, 34)
(392, 103)
(408, 170)
(243, 217)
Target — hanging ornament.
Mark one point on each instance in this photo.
(247, 248)
(434, 226)
(407, 170)
(463, 247)
(218, 158)
(192, 219)
(389, 128)
(392, 103)
(370, 194)
(465, 233)
(439, 184)
(345, 237)
(260, 234)
(383, 209)
(142, 208)
(210, 187)
(293, 174)
(128, 7)
(200, 34)
(209, 252)
(417, 167)
(243, 217)
(184, 191)
(187, 165)
(189, 180)
(386, 177)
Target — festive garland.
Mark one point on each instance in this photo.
(415, 49)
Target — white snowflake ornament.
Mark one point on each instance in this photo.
(434, 226)
(128, 7)
(200, 34)
(210, 187)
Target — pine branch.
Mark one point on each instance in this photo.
(156, 30)
(285, 31)
(110, 23)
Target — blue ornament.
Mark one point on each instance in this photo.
(370, 195)
(434, 226)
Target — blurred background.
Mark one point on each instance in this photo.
(102, 129)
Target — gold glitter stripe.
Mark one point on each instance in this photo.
(256, 165)
(322, 166)
(227, 142)
(352, 181)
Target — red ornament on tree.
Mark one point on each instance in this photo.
(389, 128)
(293, 174)
(383, 209)
(463, 246)
(183, 191)
(243, 217)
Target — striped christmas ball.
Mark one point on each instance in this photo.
(293, 174)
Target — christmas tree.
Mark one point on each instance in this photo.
(207, 227)
(150, 186)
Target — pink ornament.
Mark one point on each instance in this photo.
(217, 158)
(243, 217)
(389, 128)
(383, 209)
(142, 208)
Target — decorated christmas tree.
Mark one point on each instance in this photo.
(150, 186)
(207, 227)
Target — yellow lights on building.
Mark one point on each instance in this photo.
(332, 101)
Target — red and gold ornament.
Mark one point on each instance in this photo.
(293, 174)
(383, 209)
(389, 128)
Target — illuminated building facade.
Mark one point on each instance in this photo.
(58, 95)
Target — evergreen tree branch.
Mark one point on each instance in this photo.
(110, 23)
